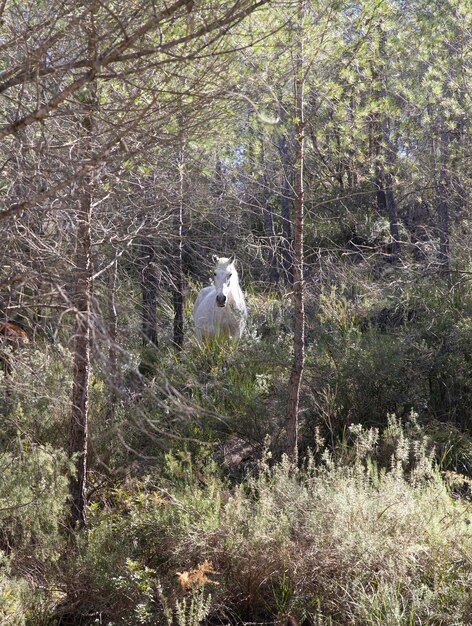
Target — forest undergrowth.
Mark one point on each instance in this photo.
(332, 541)
(371, 527)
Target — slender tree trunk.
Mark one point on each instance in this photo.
(384, 155)
(112, 338)
(285, 198)
(379, 179)
(178, 278)
(340, 160)
(271, 237)
(392, 216)
(298, 250)
(389, 195)
(262, 199)
(83, 307)
(80, 388)
(149, 290)
(386, 205)
(352, 177)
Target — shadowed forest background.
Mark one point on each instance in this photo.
(319, 467)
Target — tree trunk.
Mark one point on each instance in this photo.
(271, 238)
(298, 251)
(80, 388)
(389, 195)
(178, 278)
(384, 155)
(285, 199)
(112, 338)
(178, 297)
(392, 216)
(386, 205)
(83, 307)
(149, 290)
(285, 196)
(380, 185)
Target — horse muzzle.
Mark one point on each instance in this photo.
(221, 300)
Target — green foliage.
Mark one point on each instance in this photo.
(36, 399)
(214, 390)
(409, 350)
(122, 579)
(12, 593)
(33, 498)
(367, 533)
(342, 543)
(190, 611)
(33, 495)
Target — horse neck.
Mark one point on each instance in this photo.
(235, 293)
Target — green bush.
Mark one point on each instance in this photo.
(210, 393)
(36, 398)
(409, 350)
(33, 496)
(342, 544)
(12, 593)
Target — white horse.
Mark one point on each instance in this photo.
(220, 309)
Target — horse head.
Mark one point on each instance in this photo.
(224, 272)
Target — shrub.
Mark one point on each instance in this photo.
(391, 351)
(33, 494)
(342, 544)
(35, 399)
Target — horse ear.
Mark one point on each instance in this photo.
(232, 259)
(214, 258)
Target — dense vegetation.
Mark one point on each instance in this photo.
(144, 477)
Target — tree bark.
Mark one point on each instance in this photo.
(392, 215)
(285, 197)
(112, 338)
(178, 278)
(149, 290)
(83, 305)
(384, 154)
(285, 201)
(80, 387)
(389, 195)
(298, 248)
(386, 205)
(271, 238)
